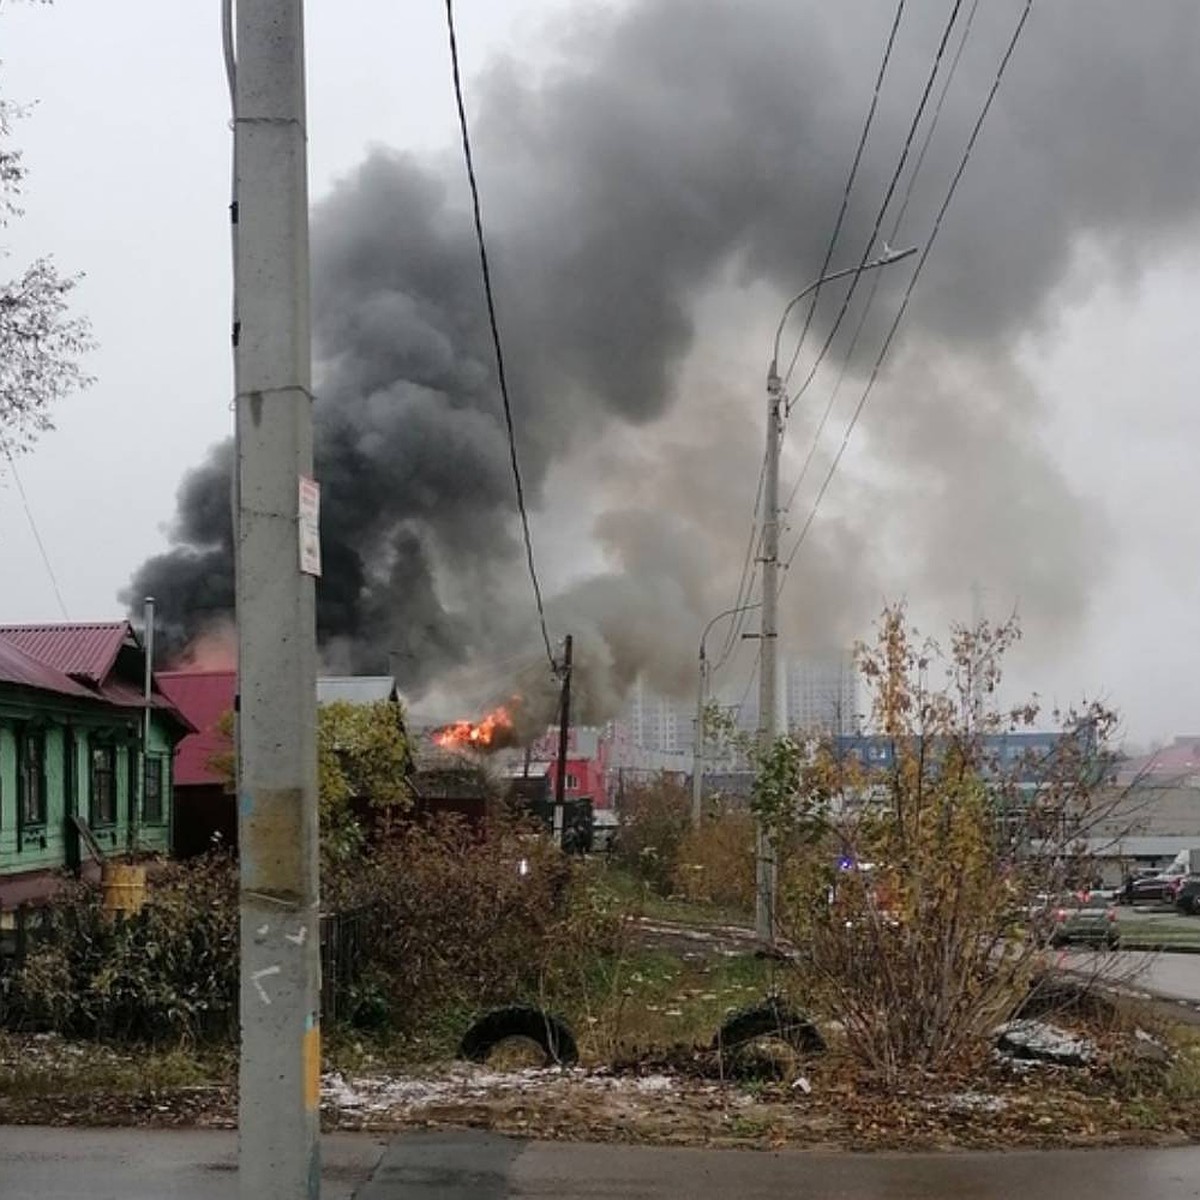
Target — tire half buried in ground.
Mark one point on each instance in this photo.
(770, 1019)
(548, 1032)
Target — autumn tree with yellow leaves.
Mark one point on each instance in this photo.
(907, 883)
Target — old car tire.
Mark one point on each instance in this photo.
(545, 1030)
(774, 1019)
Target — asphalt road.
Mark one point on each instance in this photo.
(483, 1167)
(1170, 975)
(71, 1164)
(153, 1164)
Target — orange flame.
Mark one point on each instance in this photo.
(492, 730)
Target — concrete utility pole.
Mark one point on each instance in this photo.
(768, 713)
(277, 555)
(698, 741)
(564, 731)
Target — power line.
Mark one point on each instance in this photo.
(745, 588)
(837, 225)
(742, 614)
(887, 199)
(754, 668)
(937, 225)
(491, 309)
(37, 537)
(892, 237)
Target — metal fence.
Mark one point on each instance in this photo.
(343, 949)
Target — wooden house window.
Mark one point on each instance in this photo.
(104, 786)
(152, 807)
(31, 777)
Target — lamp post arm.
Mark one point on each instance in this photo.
(884, 260)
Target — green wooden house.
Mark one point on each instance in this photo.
(76, 783)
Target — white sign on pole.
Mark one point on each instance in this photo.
(310, 526)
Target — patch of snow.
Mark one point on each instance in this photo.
(389, 1093)
(1040, 1041)
(655, 1083)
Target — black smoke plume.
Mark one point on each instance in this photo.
(679, 158)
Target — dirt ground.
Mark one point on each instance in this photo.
(822, 1103)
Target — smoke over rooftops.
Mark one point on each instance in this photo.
(651, 197)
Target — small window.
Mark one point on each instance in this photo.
(104, 785)
(572, 782)
(32, 779)
(152, 809)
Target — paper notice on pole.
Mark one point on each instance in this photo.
(310, 526)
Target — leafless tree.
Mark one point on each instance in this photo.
(41, 343)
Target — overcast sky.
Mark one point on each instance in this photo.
(128, 151)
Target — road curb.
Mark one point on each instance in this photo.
(1158, 947)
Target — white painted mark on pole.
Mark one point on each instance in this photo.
(297, 938)
(257, 978)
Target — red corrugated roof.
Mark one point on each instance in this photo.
(82, 656)
(1180, 759)
(19, 668)
(86, 652)
(203, 697)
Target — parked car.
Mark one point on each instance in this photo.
(1187, 896)
(1079, 918)
(1088, 919)
(1154, 887)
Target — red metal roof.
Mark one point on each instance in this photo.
(203, 697)
(19, 668)
(85, 652)
(1180, 759)
(84, 657)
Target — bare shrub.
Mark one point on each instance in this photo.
(460, 922)
(455, 922)
(167, 974)
(715, 862)
(906, 881)
(654, 820)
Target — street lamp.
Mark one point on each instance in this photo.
(698, 741)
(768, 725)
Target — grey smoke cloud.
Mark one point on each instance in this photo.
(670, 151)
